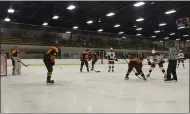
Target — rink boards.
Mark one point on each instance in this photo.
(39, 62)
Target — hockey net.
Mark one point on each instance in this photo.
(3, 64)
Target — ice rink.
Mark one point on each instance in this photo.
(93, 92)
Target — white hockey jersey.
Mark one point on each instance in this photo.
(111, 56)
(156, 58)
(181, 56)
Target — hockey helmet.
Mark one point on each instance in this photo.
(153, 51)
(111, 48)
(87, 50)
(180, 50)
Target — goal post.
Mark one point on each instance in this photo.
(3, 64)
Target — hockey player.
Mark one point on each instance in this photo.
(137, 64)
(181, 58)
(49, 61)
(111, 59)
(15, 53)
(84, 58)
(94, 57)
(156, 59)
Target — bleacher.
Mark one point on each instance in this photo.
(13, 40)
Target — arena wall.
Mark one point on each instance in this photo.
(39, 62)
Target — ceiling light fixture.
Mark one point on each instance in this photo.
(188, 40)
(71, 7)
(55, 17)
(117, 25)
(153, 36)
(162, 24)
(100, 30)
(75, 27)
(10, 10)
(161, 41)
(157, 31)
(89, 22)
(166, 38)
(123, 37)
(178, 39)
(171, 34)
(182, 27)
(110, 14)
(138, 34)
(99, 20)
(45, 24)
(170, 12)
(138, 4)
(7, 19)
(120, 32)
(140, 19)
(68, 32)
(185, 35)
(139, 29)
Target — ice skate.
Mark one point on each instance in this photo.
(49, 80)
(167, 80)
(148, 75)
(174, 79)
(126, 77)
(165, 76)
(144, 78)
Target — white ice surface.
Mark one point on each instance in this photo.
(93, 92)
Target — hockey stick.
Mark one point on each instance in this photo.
(134, 71)
(94, 70)
(59, 67)
(24, 64)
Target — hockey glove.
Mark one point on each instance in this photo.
(149, 63)
(136, 74)
(162, 61)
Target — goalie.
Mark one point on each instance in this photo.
(15, 57)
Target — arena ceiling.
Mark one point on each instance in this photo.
(119, 17)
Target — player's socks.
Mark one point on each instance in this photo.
(80, 69)
(109, 68)
(112, 68)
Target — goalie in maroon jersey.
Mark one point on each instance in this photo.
(156, 59)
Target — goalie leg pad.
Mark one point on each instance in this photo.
(15, 72)
(19, 68)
